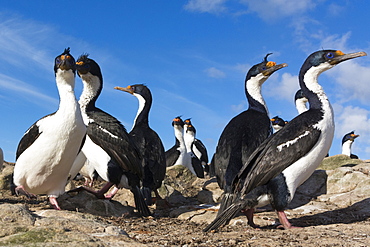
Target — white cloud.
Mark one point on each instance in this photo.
(354, 119)
(25, 89)
(239, 108)
(209, 6)
(286, 87)
(271, 9)
(215, 73)
(353, 81)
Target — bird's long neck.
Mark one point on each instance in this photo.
(315, 94)
(66, 83)
(300, 104)
(317, 98)
(254, 95)
(142, 115)
(189, 138)
(179, 135)
(346, 147)
(91, 91)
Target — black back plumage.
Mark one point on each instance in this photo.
(148, 142)
(243, 134)
(117, 144)
(173, 153)
(292, 143)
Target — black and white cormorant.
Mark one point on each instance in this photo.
(47, 150)
(178, 154)
(277, 123)
(148, 142)
(194, 145)
(300, 101)
(245, 132)
(286, 159)
(108, 147)
(347, 142)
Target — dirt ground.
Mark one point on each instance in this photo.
(334, 227)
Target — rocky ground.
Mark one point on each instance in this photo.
(331, 208)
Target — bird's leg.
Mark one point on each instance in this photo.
(54, 203)
(284, 221)
(249, 213)
(20, 190)
(99, 194)
(111, 194)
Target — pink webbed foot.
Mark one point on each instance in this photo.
(53, 201)
(111, 194)
(20, 190)
(285, 224)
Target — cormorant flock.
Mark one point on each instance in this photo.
(258, 160)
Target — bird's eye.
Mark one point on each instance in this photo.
(86, 66)
(57, 60)
(329, 55)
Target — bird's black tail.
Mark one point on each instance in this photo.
(226, 200)
(140, 202)
(224, 217)
(147, 193)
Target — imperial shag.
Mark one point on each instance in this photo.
(195, 145)
(347, 142)
(108, 147)
(286, 159)
(245, 132)
(148, 142)
(47, 150)
(277, 123)
(179, 155)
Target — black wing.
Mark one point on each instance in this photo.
(279, 151)
(241, 136)
(30, 136)
(152, 150)
(198, 144)
(172, 155)
(108, 133)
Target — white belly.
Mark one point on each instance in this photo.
(43, 168)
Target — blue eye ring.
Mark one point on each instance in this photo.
(329, 55)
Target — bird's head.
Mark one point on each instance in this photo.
(178, 121)
(85, 65)
(187, 121)
(65, 61)
(326, 59)
(351, 136)
(137, 88)
(266, 68)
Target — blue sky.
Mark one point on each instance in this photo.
(193, 55)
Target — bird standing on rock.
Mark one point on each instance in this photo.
(194, 145)
(47, 150)
(347, 142)
(245, 132)
(178, 153)
(286, 159)
(108, 147)
(148, 142)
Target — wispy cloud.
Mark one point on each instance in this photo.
(215, 73)
(272, 9)
(206, 6)
(20, 87)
